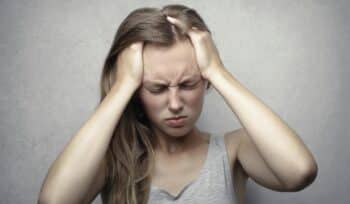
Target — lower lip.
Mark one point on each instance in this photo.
(176, 122)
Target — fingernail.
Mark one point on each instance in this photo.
(170, 18)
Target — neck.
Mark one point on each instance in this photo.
(172, 145)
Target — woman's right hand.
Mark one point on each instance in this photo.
(97, 131)
(130, 65)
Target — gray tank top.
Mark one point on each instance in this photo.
(213, 185)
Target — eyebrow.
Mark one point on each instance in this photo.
(157, 82)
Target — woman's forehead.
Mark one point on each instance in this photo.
(169, 77)
(169, 62)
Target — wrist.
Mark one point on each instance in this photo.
(215, 72)
(125, 86)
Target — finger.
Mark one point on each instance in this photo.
(137, 45)
(178, 23)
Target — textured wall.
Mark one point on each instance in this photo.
(294, 55)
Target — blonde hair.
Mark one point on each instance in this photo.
(130, 155)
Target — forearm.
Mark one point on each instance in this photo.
(73, 171)
(282, 149)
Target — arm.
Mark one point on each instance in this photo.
(270, 151)
(76, 176)
(71, 175)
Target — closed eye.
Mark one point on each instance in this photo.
(157, 89)
(189, 85)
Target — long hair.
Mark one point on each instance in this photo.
(130, 154)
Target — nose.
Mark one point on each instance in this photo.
(175, 102)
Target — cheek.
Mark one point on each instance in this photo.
(151, 104)
(194, 102)
(194, 98)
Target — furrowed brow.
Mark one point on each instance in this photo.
(156, 82)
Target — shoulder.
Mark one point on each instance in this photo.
(233, 139)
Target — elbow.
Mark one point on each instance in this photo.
(44, 200)
(47, 198)
(52, 199)
(305, 178)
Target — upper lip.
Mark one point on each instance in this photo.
(176, 117)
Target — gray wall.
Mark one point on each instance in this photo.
(294, 55)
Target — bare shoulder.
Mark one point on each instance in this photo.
(232, 141)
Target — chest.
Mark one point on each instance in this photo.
(173, 175)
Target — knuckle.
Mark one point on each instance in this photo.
(135, 46)
(204, 35)
(200, 36)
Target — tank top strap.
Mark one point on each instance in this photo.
(221, 159)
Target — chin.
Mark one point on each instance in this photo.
(176, 132)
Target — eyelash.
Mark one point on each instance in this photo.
(184, 86)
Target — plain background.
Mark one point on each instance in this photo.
(293, 55)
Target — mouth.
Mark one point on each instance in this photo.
(176, 121)
(176, 117)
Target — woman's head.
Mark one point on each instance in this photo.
(168, 58)
(150, 26)
(172, 86)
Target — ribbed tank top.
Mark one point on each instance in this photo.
(214, 183)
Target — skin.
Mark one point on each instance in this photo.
(180, 150)
(267, 149)
(171, 67)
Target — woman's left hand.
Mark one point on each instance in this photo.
(208, 58)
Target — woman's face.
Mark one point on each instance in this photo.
(172, 86)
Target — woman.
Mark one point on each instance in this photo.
(132, 150)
